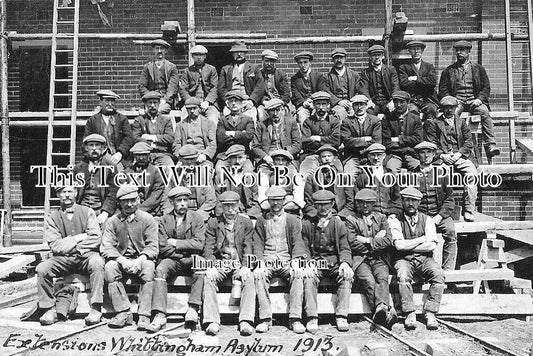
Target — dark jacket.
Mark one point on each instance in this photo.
(333, 83)
(244, 133)
(425, 83)
(409, 135)
(436, 133)
(299, 93)
(208, 137)
(215, 241)
(147, 83)
(163, 131)
(191, 242)
(281, 82)
(123, 135)
(311, 235)
(368, 88)
(481, 83)
(108, 195)
(352, 134)
(328, 129)
(311, 186)
(445, 202)
(152, 195)
(293, 231)
(290, 139)
(253, 82)
(205, 77)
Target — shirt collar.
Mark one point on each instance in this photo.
(128, 218)
(340, 72)
(378, 68)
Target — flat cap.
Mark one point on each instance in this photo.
(323, 196)
(366, 195)
(448, 100)
(59, 188)
(375, 147)
(235, 150)
(320, 95)
(327, 147)
(303, 54)
(376, 48)
(400, 94)
(273, 104)
(151, 95)
(276, 192)
(338, 52)
(192, 102)
(359, 98)
(188, 151)
(415, 44)
(198, 49)
(229, 197)
(270, 54)
(462, 44)
(236, 94)
(411, 192)
(107, 94)
(425, 145)
(280, 152)
(160, 42)
(127, 192)
(141, 148)
(239, 47)
(178, 191)
(95, 138)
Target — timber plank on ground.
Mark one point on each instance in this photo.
(24, 249)
(14, 264)
(525, 143)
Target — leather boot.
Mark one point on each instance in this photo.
(121, 320)
(49, 318)
(94, 317)
(159, 322)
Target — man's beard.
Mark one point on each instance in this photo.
(109, 112)
(240, 60)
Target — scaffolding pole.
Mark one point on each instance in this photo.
(191, 28)
(388, 30)
(509, 54)
(6, 164)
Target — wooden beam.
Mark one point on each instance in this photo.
(494, 274)
(519, 254)
(509, 54)
(525, 144)
(24, 249)
(191, 28)
(388, 30)
(19, 298)
(505, 169)
(182, 38)
(482, 226)
(15, 264)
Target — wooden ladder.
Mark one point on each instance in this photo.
(60, 142)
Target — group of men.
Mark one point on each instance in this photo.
(320, 202)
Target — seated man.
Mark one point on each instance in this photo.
(181, 238)
(326, 177)
(341, 83)
(97, 195)
(321, 128)
(114, 126)
(200, 80)
(327, 239)
(370, 241)
(277, 243)
(415, 239)
(276, 82)
(196, 130)
(151, 195)
(74, 237)
(229, 240)
(453, 139)
(130, 247)
(278, 131)
(357, 133)
(402, 131)
(304, 83)
(437, 201)
(469, 83)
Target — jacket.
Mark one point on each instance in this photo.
(290, 138)
(253, 82)
(191, 242)
(425, 83)
(481, 83)
(328, 129)
(164, 131)
(368, 88)
(244, 133)
(445, 202)
(333, 83)
(409, 135)
(208, 137)
(299, 94)
(352, 134)
(123, 134)
(205, 77)
(147, 83)
(311, 186)
(151, 195)
(338, 233)
(108, 194)
(436, 133)
(281, 82)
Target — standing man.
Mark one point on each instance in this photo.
(130, 247)
(415, 239)
(276, 82)
(419, 79)
(378, 82)
(469, 84)
(229, 240)
(74, 237)
(370, 241)
(162, 76)
(326, 237)
(242, 76)
(201, 80)
(278, 246)
(341, 83)
(181, 236)
(304, 83)
(114, 126)
(453, 139)
(402, 131)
